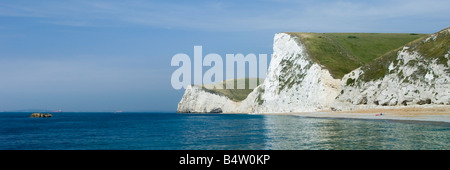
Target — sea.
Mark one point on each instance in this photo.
(172, 131)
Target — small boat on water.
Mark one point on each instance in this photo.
(118, 111)
(56, 111)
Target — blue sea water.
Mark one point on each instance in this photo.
(171, 131)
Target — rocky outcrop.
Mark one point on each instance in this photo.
(41, 115)
(197, 99)
(416, 74)
(294, 82)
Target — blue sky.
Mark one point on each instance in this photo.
(84, 55)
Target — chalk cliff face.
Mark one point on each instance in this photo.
(200, 100)
(294, 82)
(414, 75)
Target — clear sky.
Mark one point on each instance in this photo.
(85, 55)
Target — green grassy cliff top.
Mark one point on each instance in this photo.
(341, 53)
(431, 47)
(233, 94)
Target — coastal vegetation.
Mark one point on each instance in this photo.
(234, 94)
(339, 71)
(431, 50)
(341, 53)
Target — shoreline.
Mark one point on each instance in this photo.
(430, 113)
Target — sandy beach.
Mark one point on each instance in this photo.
(428, 113)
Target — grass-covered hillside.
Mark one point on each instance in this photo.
(341, 53)
(432, 48)
(233, 94)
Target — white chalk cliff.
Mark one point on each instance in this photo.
(411, 78)
(198, 99)
(295, 83)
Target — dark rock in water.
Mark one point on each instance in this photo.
(41, 115)
(216, 110)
